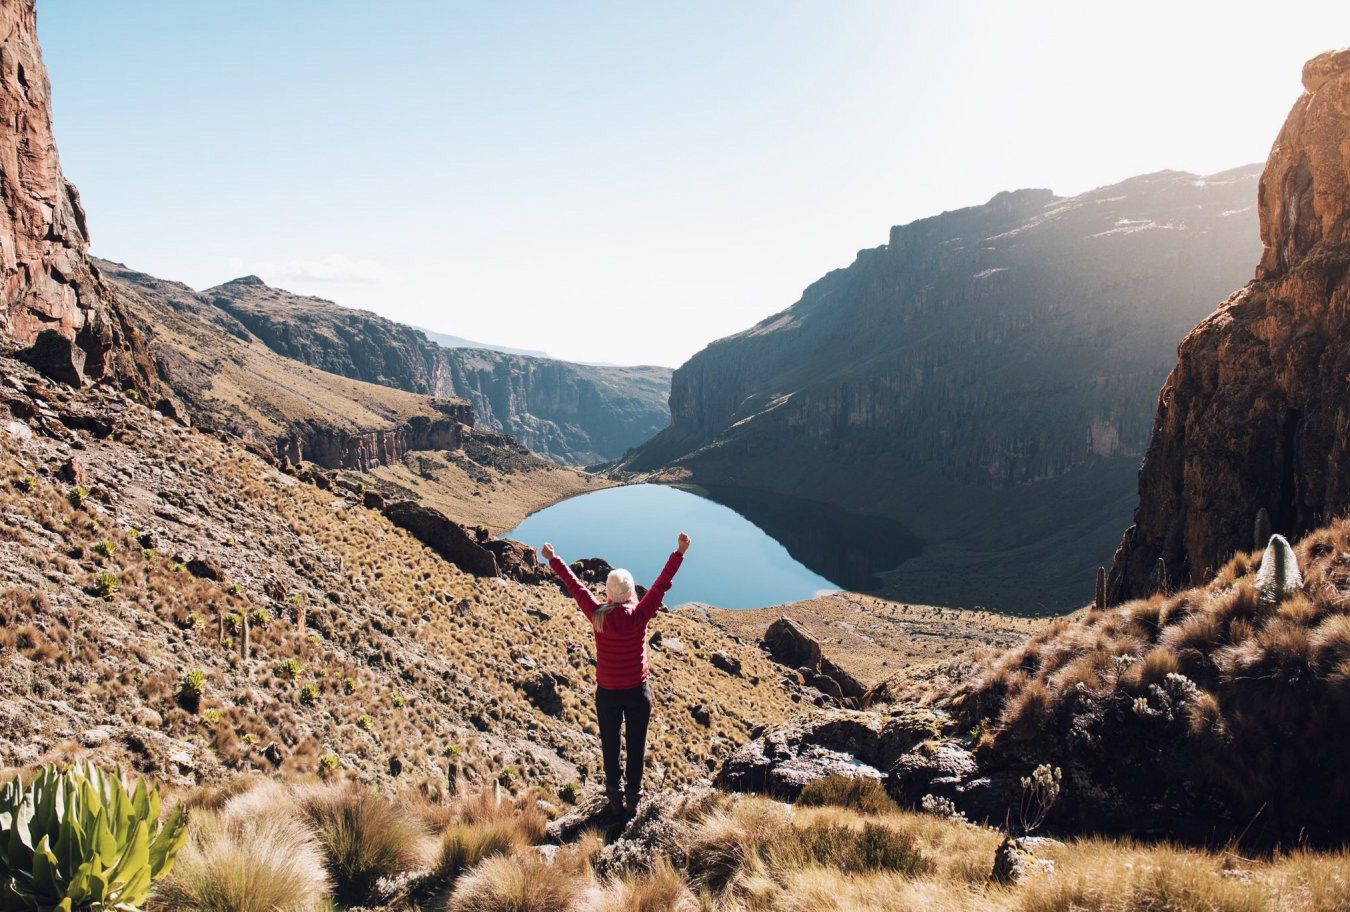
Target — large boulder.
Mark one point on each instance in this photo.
(515, 559)
(443, 535)
(791, 644)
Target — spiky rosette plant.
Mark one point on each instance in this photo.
(77, 838)
(1279, 571)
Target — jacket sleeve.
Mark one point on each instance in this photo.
(580, 593)
(652, 600)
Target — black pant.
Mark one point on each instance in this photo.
(612, 707)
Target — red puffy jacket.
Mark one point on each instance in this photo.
(621, 647)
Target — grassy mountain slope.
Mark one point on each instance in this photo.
(111, 600)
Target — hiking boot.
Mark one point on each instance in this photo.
(631, 804)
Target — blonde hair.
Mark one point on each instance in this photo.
(619, 588)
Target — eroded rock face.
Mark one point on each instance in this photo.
(1256, 412)
(50, 293)
(571, 413)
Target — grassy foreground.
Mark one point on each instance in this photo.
(259, 844)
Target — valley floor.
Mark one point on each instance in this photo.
(872, 637)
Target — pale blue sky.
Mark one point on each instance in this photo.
(623, 181)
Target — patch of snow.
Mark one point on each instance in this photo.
(984, 274)
(1228, 212)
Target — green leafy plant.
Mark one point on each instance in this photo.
(234, 621)
(27, 484)
(261, 615)
(570, 792)
(77, 496)
(106, 583)
(291, 668)
(348, 685)
(309, 695)
(507, 777)
(398, 700)
(210, 716)
(190, 689)
(365, 723)
(105, 548)
(79, 839)
(328, 763)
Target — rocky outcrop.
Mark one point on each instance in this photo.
(572, 413)
(792, 645)
(443, 535)
(51, 300)
(337, 448)
(986, 378)
(1256, 413)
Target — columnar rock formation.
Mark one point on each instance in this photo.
(51, 298)
(1256, 414)
(986, 378)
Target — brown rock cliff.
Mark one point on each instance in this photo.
(1256, 412)
(48, 281)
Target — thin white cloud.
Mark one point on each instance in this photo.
(335, 268)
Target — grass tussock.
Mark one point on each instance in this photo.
(525, 882)
(365, 837)
(250, 856)
(860, 793)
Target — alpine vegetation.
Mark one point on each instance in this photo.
(1279, 571)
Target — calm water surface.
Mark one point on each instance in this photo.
(734, 561)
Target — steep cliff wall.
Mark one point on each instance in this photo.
(575, 414)
(48, 284)
(1256, 412)
(987, 378)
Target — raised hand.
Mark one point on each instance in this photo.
(683, 545)
(548, 552)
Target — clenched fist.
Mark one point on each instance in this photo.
(548, 552)
(683, 545)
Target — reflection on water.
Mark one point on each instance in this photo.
(843, 547)
(749, 550)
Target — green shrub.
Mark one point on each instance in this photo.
(365, 723)
(77, 496)
(507, 777)
(234, 621)
(570, 792)
(261, 616)
(291, 668)
(398, 700)
(329, 762)
(105, 548)
(365, 837)
(193, 620)
(210, 716)
(106, 583)
(27, 484)
(79, 839)
(309, 695)
(349, 685)
(190, 689)
(861, 793)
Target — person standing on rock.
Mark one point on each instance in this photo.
(621, 693)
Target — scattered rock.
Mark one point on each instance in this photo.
(205, 568)
(726, 662)
(541, 688)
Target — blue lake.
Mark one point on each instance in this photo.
(733, 563)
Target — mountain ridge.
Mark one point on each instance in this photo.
(978, 357)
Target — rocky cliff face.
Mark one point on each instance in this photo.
(574, 414)
(51, 300)
(229, 381)
(1256, 412)
(987, 377)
